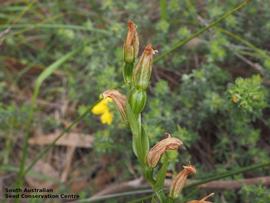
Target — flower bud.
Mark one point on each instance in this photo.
(180, 180)
(203, 200)
(118, 99)
(131, 45)
(137, 100)
(160, 148)
(143, 69)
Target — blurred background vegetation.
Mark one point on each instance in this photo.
(213, 93)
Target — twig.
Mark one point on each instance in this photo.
(257, 67)
(235, 184)
(69, 157)
(139, 184)
(192, 184)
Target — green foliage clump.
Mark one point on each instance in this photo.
(255, 193)
(201, 95)
(248, 94)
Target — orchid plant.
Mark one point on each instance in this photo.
(137, 74)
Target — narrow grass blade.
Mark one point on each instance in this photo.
(48, 72)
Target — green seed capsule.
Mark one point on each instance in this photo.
(142, 72)
(127, 72)
(137, 100)
(129, 55)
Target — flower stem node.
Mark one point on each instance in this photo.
(180, 180)
(137, 100)
(155, 153)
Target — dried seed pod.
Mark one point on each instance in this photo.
(142, 72)
(137, 100)
(118, 99)
(154, 155)
(131, 45)
(180, 180)
(203, 200)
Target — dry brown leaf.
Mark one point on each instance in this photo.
(45, 169)
(70, 140)
(69, 156)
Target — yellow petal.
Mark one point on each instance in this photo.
(101, 107)
(106, 118)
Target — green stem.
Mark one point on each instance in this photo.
(19, 182)
(163, 9)
(170, 200)
(161, 175)
(158, 187)
(212, 24)
(148, 174)
(8, 144)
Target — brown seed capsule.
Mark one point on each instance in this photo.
(118, 99)
(180, 180)
(142, 72)
(203, 200)
(131, 45)
(155, 153)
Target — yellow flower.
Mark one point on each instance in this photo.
(101, 107)
(103, 110)
(106, 118)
